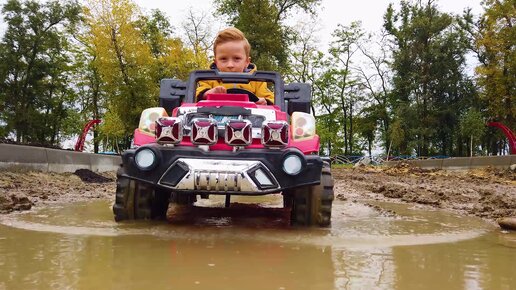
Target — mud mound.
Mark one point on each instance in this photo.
(89, 176)
(14, 203)
(406, 168)
(485, 192)
(21, 190)
(494, 175)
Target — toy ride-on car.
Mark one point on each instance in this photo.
(226, 145)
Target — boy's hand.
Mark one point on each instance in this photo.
(216, 90)
(261, 101)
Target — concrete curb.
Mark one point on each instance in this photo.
(462, 163)
(54, 160)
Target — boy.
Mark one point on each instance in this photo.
(231, 50)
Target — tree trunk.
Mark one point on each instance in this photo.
(95, 116)
(370, 146)
(345, 125)
(471, 146)
(389, 150)
(350, 127)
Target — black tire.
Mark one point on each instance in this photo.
(311, 205)
(137, 200)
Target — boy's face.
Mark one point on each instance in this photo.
(230, 56)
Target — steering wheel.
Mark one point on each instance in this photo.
(252, 97)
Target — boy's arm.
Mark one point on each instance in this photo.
(262, 91)
(202, 87)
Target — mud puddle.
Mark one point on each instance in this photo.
(376, 245)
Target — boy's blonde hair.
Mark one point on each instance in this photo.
(232, 34)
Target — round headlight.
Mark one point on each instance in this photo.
(145, 158)
(292, 164)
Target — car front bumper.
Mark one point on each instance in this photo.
(242, 172)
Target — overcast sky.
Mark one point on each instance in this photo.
(332, 12)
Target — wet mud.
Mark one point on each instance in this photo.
(385, 234)
(22, 190)
(89, 176)
(486, 193)
(80, 246)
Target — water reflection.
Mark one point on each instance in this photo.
(80, 247)
(364, 269)
(475, 264)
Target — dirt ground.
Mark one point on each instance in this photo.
(487, 193)
(22, 190)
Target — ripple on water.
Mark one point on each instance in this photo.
(354, 226)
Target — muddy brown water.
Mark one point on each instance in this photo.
(79, 246)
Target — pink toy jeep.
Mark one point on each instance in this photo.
(226, 145)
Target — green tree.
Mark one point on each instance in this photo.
(397, 144)
(329, 128)
(347, 88)
(375, 75)
(197, 29)
(262, 21)
(132, 52)
(307, 63)
(337, 91)
(125, 62)
(35, 96)
(429, 50)
(496, 46)
(367, 126)
(89, 85)
(472, 127)
(155, 31)
(171, 58)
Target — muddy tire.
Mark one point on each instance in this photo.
(137, 200)
(311, 205)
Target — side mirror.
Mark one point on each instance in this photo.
(171, 94)
(299, 97)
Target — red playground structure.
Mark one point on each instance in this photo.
(79, 145)
(510, 135)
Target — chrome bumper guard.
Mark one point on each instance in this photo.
(219, 176)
